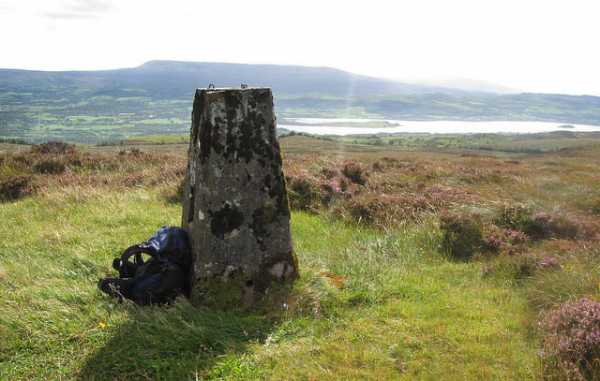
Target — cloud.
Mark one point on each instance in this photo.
(90, 6)
(80, 9)
(5, 8)
(69, 15)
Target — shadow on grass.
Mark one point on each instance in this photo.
(180, 342)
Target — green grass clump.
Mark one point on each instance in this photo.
(537, 225)
(517, 216)
(368, 305)
(15, 187)
(49, 167)
(303, 193)
(463, 234)
(578, 278)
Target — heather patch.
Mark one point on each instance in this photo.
(571, 344)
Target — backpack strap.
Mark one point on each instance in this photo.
(137, 250)
(128, 269)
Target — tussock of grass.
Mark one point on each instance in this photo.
(578, 278)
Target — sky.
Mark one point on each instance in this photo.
(528, 45)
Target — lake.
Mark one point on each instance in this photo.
(335, 126)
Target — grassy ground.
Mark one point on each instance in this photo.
(367, 306)
(494, 143)
(373, 301)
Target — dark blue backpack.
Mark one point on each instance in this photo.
(159, 279)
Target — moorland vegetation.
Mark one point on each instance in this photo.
(416, 262)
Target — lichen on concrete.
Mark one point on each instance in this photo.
(235, 201)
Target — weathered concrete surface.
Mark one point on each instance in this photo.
(235, 201)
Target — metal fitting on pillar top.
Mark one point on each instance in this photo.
(211, 86)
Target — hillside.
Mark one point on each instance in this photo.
(173, 79)
(93, 106)
(388, 288)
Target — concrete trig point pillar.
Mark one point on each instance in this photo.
(235, 204)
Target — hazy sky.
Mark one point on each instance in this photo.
(545, 45)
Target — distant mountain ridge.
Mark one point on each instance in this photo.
(179, 78)
(156, 98)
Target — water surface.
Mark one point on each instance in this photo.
(334, 126)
